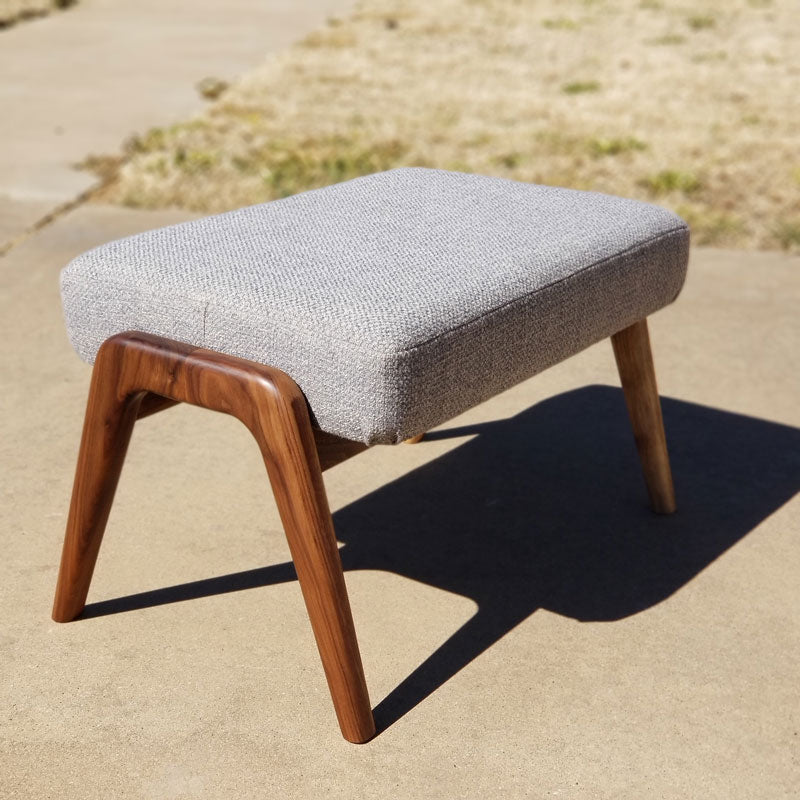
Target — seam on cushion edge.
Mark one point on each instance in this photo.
(208, 303)
(404, 352)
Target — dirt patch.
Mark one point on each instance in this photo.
(691, 106)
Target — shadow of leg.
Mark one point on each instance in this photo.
(223, 584)
(474, 637)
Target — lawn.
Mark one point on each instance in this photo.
(693, 106)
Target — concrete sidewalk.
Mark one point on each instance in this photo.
(605, 652)
(80, 82)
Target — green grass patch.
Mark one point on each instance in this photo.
(193, 161)
(508, 160)
(560, 24)
(580, 87)
(600, 147)
(157, 139)
(287, 168)
(671, 180)
(701, 22)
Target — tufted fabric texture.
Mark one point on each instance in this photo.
(397, 300)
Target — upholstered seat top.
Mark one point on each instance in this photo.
(397, 300)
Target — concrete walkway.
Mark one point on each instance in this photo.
(605, 652)
(80, 82)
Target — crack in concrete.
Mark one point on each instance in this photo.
(51, 216)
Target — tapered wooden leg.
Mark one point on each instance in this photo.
(107, 430)
(415, 439)
(287, 442)
(137, 374)
(638, 377)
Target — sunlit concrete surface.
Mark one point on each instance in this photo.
(528, 627)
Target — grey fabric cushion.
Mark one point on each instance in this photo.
(397, 300)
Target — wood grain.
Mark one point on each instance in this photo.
(638, 377)
(129, 369)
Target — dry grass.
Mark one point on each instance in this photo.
(692, 106)
(14, 11)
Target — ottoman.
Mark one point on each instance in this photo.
(363, 313)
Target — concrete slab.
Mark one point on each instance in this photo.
(528, 628)
(17, 216)
(79, 83)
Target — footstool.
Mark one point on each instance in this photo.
(359, 314)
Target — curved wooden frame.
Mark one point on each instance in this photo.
(137, 374)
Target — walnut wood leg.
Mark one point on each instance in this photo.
(270, 404)
(638, 377)
(107, 430)
(287, 442)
